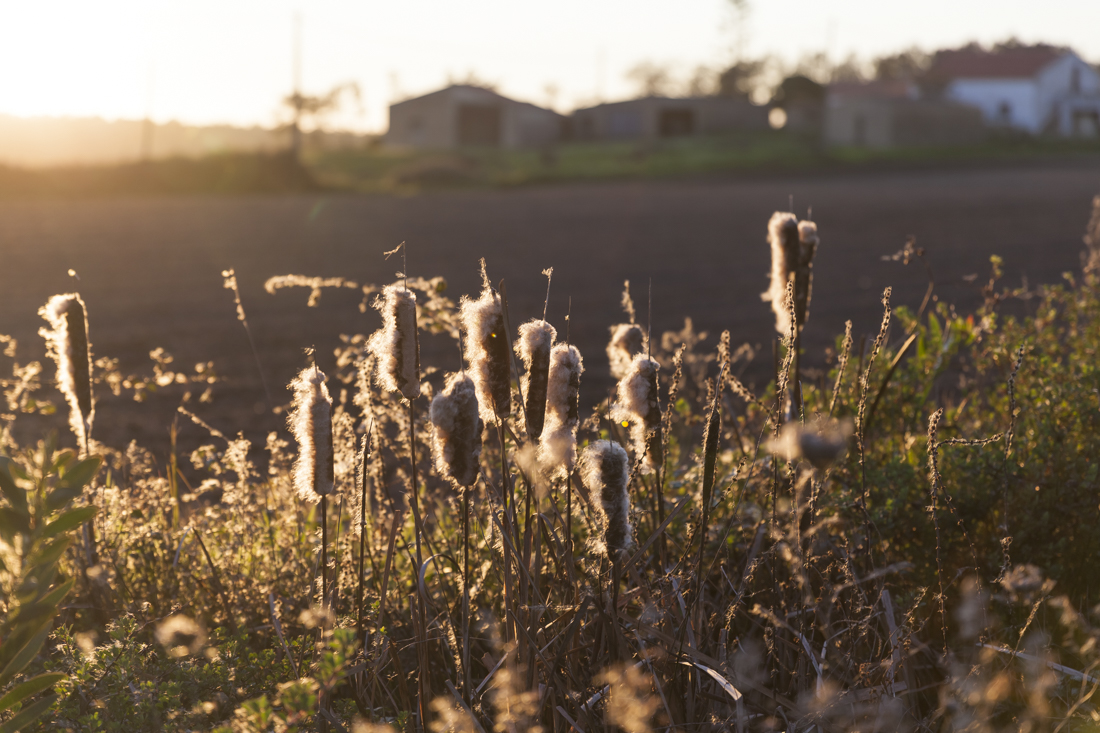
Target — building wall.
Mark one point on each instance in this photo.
(649, 118)
(424, 122)
(434, 120)
(886, 123)
(1020, 97)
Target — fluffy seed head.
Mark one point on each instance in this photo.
(396, 345)
(456, 439)
(783, 238)
(533, 347)
(820, 442)
(310, 421)
(627, 341)
(638, 407)
(67, 344)
(804, 274)
(558, 443)
(604, 469)
(487, 354)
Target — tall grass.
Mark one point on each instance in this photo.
(838, 555)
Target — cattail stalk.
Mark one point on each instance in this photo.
(396, 346)
(558, 443)
(533, 347)
(457, 446)
(638, 405)
(627, 341)
(364, 456)
(487, 352)
(605, 471)
(310, 422)
(67, 344)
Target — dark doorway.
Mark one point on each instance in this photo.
(676, 122)
(478, 124)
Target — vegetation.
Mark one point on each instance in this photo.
(901, 542)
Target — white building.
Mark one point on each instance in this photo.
(1035, 89)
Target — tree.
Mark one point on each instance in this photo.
(650, 79)
(316, 108)
(741, 79)
(906, 65)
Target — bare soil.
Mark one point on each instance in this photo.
(150, 267)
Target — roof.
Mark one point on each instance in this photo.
(1010, 63)
(481, 92)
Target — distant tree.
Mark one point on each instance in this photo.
(650, 79)
(851, 69)
(798, 89)
(907, 65)
(316, 108)
(742, 78)
(703, 82)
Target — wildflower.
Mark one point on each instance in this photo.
(310, 421)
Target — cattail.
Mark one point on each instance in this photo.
(804, 273)
(67, 345)
(396, 345)
(487, 353)
(457, 436)
(310, 421)
(783, 237)
(638, 406)
(558, 444)
(533, 347)
(605, 472)
(627, 341)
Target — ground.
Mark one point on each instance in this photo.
(150, 267)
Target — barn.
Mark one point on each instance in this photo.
(1034, 89)
(649, 118)
(464, 115)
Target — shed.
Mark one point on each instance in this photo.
(464, 115)
(649, 118)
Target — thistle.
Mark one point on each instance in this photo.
(605, 473)
(396, 345)
(487, 352)
(533, 347)
(457, 436)
(558, 443)
(627, 341)
(67, 344)
(638, 406)
(310, 421)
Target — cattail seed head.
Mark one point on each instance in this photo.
(396, 345)
(533, 347)
(804, 273)
(604, 469)
(783, 238)
(310, 421)
(67, 344)
(820, 442)
(639, 407)
(487, 354)
(627, 341)
(456, 439)
(558, 443)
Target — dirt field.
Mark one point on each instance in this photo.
(150, 267)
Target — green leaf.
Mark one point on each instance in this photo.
(28, 715)
(48, 554)
(69, 520)
(33, 686)
(16, 496)
(13, 522)
(81, 473)
(26, 653)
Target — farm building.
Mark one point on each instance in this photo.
(650, 118)
(462, 115)
(1034, 89)
(887, 114)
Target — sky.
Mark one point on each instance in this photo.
(231, 61)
